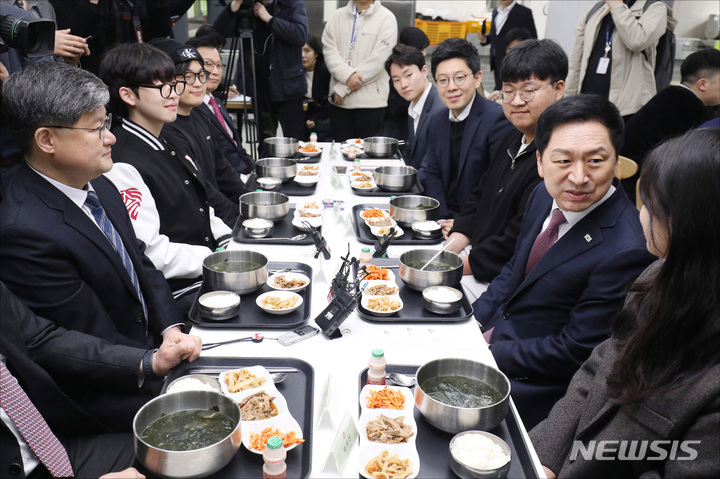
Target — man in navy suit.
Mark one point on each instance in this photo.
(222, 126)
(507, 16)
(67, 247)
(459, 141)
(409, 75)
(580, 245)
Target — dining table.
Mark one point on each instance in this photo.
(338, 364)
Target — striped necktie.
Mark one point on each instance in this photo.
(112, 235)
(33, 428)
(221, 119)
(545, 240)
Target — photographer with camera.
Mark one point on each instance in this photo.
(278, 34)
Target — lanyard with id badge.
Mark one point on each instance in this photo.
(604, 61)
(353, 36)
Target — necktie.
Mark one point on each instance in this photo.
(32, 426)
(112, 235)
(545, 240)
(220, 118)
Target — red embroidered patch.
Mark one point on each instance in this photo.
(133, 199)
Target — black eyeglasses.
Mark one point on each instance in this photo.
(210, 66)
(166, 89)
(105, 126)
(526, 94)
(457, 79)
(190, 77)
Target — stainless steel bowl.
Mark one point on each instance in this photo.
(283, 169)
(455, 419)
(219, 313)
(408, 209)
(442, 307)
(269, 183)
(418, 279)
(258, 227)
(186, 464)
(395, 178)
(465, 471)
(381, 146)
(268, 205)
(279, 146)
(240, 283)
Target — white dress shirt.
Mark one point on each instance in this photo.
(501, 17)
(415, 109)
(463, 114)
(573, 217)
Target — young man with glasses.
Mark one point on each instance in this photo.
(459, 141)
(221, 125)
(164, 193)
(486, 229)
(69, 252)
(409, 76)
(191, 133)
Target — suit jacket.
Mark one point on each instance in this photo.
(485, 128)
(417, 141)
(61, 265)
(519, 17)
(547, 324)
(587, 413)
(231, 145)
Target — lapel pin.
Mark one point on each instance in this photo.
(588, 238)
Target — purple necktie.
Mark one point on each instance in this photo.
(545, 239)
(32, 426)
(220, 118)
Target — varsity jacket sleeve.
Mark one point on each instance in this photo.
(175, 260)
(637, 34)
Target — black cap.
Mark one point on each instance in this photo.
(178, 52)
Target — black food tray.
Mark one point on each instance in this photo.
(364, 235)
(433, 445)
(250, 315)
(365, 156)
(416, 189)
(300, 158)
(298, 392)
(412, 311)
(290, 188)
(283, 229)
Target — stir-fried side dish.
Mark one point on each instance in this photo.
(310, 212)
(241, 380)
(311, 204)
(381, 290)
(386, 398)
(387, 466)
(360, 176)
(376, 272)
(387, 221)
(282, 282)
(259, 441)
(383, 304)
(309, 148)
(274, 302)
(307, 172)
(373, 213)
(258, 406)
(363, 184)
(388, 430)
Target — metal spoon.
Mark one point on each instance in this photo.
(278, 377)
(445, 246)
(294, 238)
(401, 380)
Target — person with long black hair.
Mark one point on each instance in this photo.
(647, 402)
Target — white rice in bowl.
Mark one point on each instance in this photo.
(478, 452)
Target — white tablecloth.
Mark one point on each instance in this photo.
(340, 361)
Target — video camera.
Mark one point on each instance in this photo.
(245, 14)
(32, 37)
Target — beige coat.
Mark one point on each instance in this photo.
(376, 33)
(632, 80)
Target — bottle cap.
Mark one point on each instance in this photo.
(219, 248)
(313, 133)
(259, 189)
(274, 442)
(366, 250)
(378, 353)
(393, 197)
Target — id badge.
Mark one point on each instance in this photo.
(603, 65)
(349, 62)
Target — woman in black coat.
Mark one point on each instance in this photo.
(317, 116)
